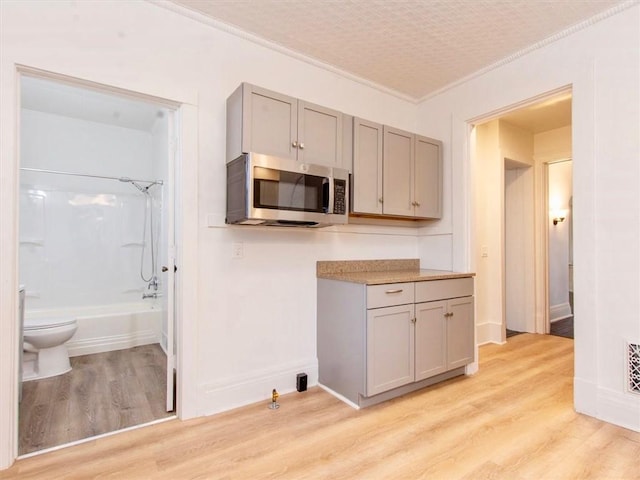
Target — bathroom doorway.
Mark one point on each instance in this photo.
(96, 243)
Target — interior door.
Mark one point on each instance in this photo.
(169, 270)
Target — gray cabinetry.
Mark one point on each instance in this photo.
(398, 168)
(262, 121)
(412, 175)
(366, 181)
(444, 328)
(380, 341)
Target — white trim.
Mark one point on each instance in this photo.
(10, 120)
(339, 397)
(559, 312)
(233, 392)
(187, 214)
(489, 332)
(187, 197)
(225, 27)
(536, 46)
(97, 437)
(584, 397)
(621, 409)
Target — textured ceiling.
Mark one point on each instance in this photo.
(413, 47)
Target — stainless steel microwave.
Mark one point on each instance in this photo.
(267, 190)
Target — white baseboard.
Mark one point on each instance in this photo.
(621, 409)
(489, 333)
(559, 312)
(585, 396)
(111, 342)
(243, 390)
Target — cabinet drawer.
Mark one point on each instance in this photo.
(389, 294)
(443, 289)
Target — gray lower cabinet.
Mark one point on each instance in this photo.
(390, 348)
(380, 341)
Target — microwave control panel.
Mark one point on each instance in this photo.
(339, 197)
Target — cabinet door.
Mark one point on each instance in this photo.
(269, 123)
(390, 348)
(460, 332)
(397, 172)
(367, 167)
(428, 178)
(431, 339)
(319, 135)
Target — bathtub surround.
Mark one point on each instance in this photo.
(85, 242)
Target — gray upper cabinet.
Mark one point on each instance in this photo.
(319, 135)
(263, 121)
(398, 168)
(412, 173)
(366, 181)
(427, 178)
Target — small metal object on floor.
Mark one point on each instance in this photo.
(274, 397)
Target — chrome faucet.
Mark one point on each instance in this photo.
(151, 295)
(153, 283)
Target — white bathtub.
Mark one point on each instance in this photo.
(109, 327)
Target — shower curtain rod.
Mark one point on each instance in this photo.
(121, 179)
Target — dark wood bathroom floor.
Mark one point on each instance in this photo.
(102, 393)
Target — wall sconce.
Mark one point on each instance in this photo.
(558, 216)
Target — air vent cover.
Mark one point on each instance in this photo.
(633, 361)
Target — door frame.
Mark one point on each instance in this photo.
(186, 225)
(541, 216)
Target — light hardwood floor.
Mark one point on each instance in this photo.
(512, 420)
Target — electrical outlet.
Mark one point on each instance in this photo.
(237, 250)
(484, 251)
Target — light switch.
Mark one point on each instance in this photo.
(237, 250)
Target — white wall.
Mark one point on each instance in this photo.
(255, 323)
(602, 65)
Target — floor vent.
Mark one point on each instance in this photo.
(633, 361)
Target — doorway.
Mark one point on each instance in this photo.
(560, 195)
(510, 154)
(96, 240)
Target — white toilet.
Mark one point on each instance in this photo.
(45, 353)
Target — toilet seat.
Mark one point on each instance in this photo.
(31, 324)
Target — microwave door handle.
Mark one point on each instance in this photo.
(327, 194)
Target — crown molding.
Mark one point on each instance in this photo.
(202, 18)
(536, 46)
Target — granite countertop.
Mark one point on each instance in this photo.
(377, 272)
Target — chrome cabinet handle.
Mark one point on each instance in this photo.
(448, 314)
(399, 290)
(413, 320)
(301, 146)
(380, 200)
(294, 144)
(417, 204)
